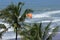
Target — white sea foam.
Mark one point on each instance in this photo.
(46, 14)
(39, 15)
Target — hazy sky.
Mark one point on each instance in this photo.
(35, 4)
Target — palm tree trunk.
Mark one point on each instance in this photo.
(16, 33)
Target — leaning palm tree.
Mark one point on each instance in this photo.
(11, 14)
(2, 26)
(36, 32)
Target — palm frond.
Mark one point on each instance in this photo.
(40, 30)
(5, 13)
(49, 37)
(13, 9)
(54, 31)
(2, 26)
(46, 31)
(20, 5)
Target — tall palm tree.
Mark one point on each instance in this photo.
(11, 14)
(36, 32)
(2, 26)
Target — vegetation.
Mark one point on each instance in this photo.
(2, 26)
(12, 13)
(36, 32)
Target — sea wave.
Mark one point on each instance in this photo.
(45, 15)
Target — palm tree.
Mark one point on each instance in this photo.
(2, 26)
(36, 32)
(11, 14)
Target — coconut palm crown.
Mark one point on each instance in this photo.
(11, 14)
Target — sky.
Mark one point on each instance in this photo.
(33, 4)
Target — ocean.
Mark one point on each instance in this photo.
(44, 16)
